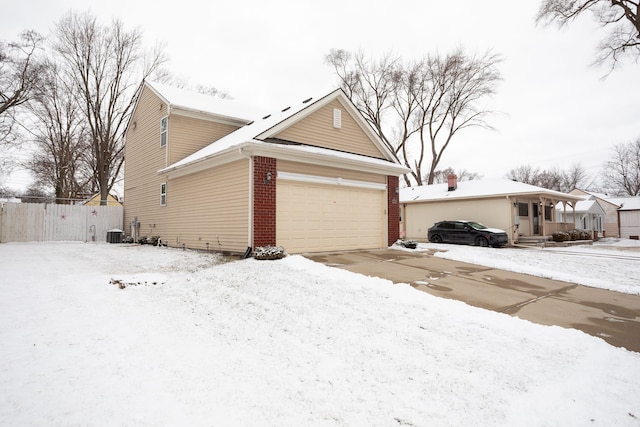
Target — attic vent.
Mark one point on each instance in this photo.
(337, 118)
(307, 100)
(285, 109)
(266, 117)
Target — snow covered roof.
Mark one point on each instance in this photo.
(626, 203)
(250, 140)
(481, 188)
(206, 104)
(583, 206)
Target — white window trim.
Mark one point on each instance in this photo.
(163, 194)
(164, 133)
(314, 179)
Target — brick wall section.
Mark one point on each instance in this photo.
(264, 202)
(393, 209)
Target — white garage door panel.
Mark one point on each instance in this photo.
(315, 217)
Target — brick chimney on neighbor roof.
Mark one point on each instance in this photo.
(452, 179)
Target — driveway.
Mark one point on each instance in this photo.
(612, 316)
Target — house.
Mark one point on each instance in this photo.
(522, 210)
(628, 216)
(586, 215)
(211, 174)
(611, 227)
(95, 200)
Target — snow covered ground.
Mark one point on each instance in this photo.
(610, 263)
(193, 340)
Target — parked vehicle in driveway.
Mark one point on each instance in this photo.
(466, 233)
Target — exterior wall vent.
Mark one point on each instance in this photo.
(337, 118)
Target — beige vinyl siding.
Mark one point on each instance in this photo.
(317, 129)
(307, 169)
(188, 135)
(143, 158)
(419, 217)
(211, 206)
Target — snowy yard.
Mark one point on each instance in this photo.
(192, 340)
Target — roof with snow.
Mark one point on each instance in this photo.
(206, 104)
(476, 189)
(626, 203)
(584, 206)
(251, 138)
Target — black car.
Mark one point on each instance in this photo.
(466, 233)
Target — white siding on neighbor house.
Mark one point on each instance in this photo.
(40, 222)
(629, 224)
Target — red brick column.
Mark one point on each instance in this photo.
(393, 209)
(264, 201)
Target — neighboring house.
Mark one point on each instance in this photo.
(628, 216)
(95, 201)
(586, 215)
(522, 210)
(208, 173)
(611, 227)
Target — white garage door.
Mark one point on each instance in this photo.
(317, 217)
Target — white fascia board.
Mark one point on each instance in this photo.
(314, 179)
(284, 152)
(202, 115)
(205, 163)
(359, 163)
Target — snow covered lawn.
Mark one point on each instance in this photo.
(192, 340)
(610, 263)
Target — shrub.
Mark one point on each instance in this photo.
(143, 240)
(574, 235)
(560, 236)
(154, 240)
(269, 252)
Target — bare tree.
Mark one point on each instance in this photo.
(416, 108)
(60, 138)
(620, 16)
(103, 65)
(622, 172)
(19, 75)
(575, 177)
(552, 179)
(524, 173)
(440, 176)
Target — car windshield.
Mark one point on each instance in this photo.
(478, 226)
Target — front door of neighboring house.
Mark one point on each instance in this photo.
(536, 218)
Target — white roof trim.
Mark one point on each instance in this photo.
(297, 153)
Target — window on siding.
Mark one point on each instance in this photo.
(547, 213)
(163, 131)
(523, 209)
(163, 194)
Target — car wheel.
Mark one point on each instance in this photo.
(481, 241)
(436, 239)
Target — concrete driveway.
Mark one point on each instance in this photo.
(612, 316)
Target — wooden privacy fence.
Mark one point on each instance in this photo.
(39, 222)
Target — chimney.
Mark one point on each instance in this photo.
(452, 179)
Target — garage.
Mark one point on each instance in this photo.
(317, 214)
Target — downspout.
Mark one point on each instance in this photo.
(250, 210)
(511, 220)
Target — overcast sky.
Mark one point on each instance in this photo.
(554, 108)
